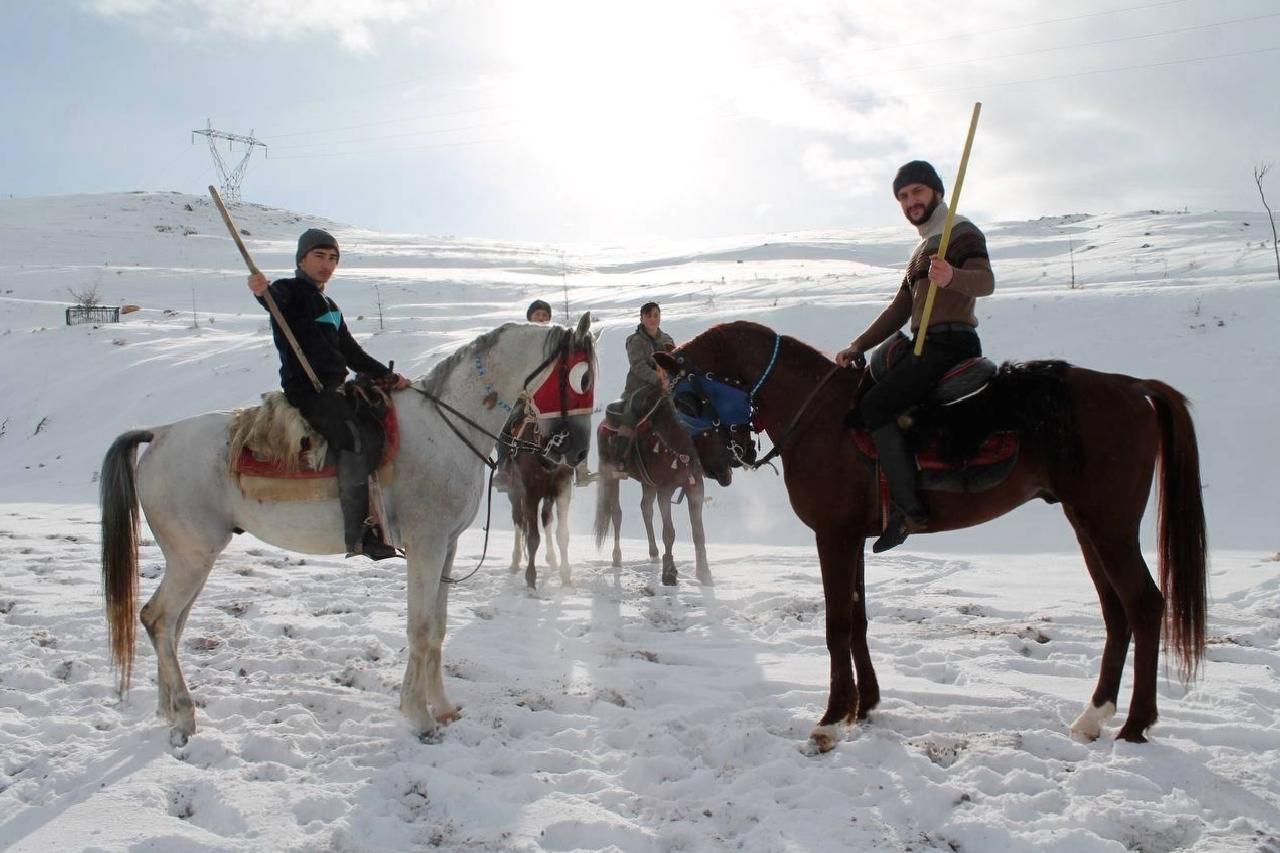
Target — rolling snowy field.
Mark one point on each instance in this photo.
(616, 714)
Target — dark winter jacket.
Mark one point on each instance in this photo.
(322, 334)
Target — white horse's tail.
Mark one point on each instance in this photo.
(121, 525)
(606, 505)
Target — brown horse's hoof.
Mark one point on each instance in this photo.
(822, 739)
(1131, 736)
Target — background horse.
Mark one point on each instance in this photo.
(1089, 440)
(662, 459)
(539, 485)
(448, 424)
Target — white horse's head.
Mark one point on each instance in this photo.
(552, 371)
(562, 392)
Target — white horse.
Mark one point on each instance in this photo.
(448, 421)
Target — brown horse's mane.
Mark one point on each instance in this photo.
(717, 337)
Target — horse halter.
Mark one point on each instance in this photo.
(706, 402)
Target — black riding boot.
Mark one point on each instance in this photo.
(353, 495)
(908, 514)
(621, 447)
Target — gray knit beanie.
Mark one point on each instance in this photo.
(314, 238)
(917, 172)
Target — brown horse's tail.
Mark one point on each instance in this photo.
(606, 504)
(1182, 529)
(121, 522)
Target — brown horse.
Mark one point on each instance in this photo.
(539, 485)
(1090, 441)
(662, 459)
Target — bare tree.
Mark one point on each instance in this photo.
(1259, 172)
(378, 295)
(89, 296)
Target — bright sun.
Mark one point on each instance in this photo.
(616, 98)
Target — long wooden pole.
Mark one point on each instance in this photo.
(946, 229)
(266, 295)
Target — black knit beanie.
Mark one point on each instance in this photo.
(315, 238)
(537, 305)
(917, 172)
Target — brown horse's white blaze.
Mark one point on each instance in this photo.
(1090, 441)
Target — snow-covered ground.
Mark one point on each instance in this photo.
(617, 714)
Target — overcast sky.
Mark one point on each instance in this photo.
(606, 121)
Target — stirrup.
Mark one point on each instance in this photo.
(372, 546)
(899, 528)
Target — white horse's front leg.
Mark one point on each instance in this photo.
(562, 532)
(422, 697)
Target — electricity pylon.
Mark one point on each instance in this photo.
(232, 178)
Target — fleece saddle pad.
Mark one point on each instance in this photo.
(270, 480)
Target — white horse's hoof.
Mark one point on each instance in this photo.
(1089, 724)
(448, 715)
(822, 739)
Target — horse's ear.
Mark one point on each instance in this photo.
(666, 361)
(584, 326)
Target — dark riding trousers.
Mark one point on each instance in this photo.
(911, 379)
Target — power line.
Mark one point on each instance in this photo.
(484, 126)
(869, 99)
(862, 100)
(1039, 50)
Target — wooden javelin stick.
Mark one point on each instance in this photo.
(946, 229)
(266, 295)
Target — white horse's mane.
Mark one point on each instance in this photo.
(434, 380)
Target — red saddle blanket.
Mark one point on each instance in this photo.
(250, 465)
(999, 447)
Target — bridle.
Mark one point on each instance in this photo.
(564, 352)
(524, 401)
(706, 402)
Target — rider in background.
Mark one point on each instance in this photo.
(963, 276)
(644, 381)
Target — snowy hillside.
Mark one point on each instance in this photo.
(616, 714)
(1186, 298)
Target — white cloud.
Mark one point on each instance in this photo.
(353, 22)
(854, 177)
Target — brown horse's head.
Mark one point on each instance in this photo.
(714, 402)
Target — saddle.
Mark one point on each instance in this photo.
(274, 455)
(607, 434)
(942, 465)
